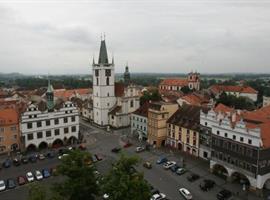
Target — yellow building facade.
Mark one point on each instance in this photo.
(183, 129)
(158, 114)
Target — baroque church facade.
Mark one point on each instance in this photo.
(113, 102)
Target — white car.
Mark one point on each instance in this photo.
(139, 149)
(2, 185)
(64, 155)
(38, 175)
(186, 194)
(159, 196)
(169, 164)
(29, 177)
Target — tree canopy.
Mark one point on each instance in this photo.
(124, 182)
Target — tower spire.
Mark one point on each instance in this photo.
(50, 96)
(103, 56)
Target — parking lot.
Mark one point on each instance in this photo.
(101, 142)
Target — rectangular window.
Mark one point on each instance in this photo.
(217, 132)
(56, 132)
(48, 122)
(2, 129)
(249, 141)
(107, 81)
(234, 137)
(65, 119)
(13, 128)
(29, 125)
(97, 80)
(131, 103)
(73, 118)
(108, 72)
(241, 139)
(65, 130)
(96, 72)
(39, 124)
(30, 136)
(39, 135)
(226, 134)
(48, 133)
(56, 121)
(73, 128)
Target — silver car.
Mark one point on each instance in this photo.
(185, 193)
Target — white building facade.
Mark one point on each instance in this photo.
(46, 129)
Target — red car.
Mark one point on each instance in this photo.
(128, 144)
(21, 180)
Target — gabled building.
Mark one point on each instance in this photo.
(127, 101)
(238, 91)
(54, 126)
(139, 121)
(195, 99)
(183, 129)
(175, 84)
(158, 114)
(240, 145)
(9, 130)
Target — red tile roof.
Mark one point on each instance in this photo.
(175, 82)
(233, 88)
(119, 89)
(9, 116)
(66, 94)
(143, 110)
(195, 99)
(223, 108)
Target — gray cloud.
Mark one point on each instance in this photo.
(176, 36)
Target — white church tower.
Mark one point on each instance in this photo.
(103, 86)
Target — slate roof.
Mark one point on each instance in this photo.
(188, 116)
(103, 56)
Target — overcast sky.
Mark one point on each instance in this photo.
(175, 36)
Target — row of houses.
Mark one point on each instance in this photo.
(235, 142)
(31, 125)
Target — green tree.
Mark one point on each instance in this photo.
(147, 96)
(80, 181)
(36, 192)
(186, 90)
(124, 182)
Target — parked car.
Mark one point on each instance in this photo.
(41, 156)
(82, 147)
(32, 158)
(94, 159)
(185, 193)
(147, 165)
(29, 177)
(24, 160)
(7, 163)
(193, 177)
(169, 164)
(2, 185)
(175, 167)
(62, 156)
(99, 157)
(16, 162)
(207, 184)
(38, 175)
(11, 183)
(159, 196)
(21, 180)
(128, 144)
(116, 149)
(224, 194)
(46, 173)
(162, 160)
(50, 154)
(181, 171)
(139, 149)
